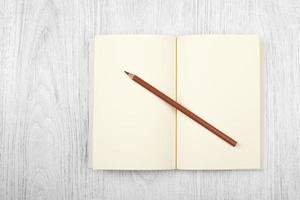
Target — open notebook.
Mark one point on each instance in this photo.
(218, 77)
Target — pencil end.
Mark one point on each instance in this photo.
(126, 72)
(234, 144)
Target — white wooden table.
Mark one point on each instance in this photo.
(44, 97)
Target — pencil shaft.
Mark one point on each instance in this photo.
(184, 110)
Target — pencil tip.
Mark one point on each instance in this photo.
(126, 72)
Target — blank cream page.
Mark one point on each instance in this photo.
(219, 80)
(132, 128)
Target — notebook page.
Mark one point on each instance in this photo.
(132, 128)
(219, 80)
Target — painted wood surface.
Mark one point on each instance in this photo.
(44, 97)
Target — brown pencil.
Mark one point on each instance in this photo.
(181, 108)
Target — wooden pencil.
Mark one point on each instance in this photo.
(182, 109)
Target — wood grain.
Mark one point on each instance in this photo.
(44, 97)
